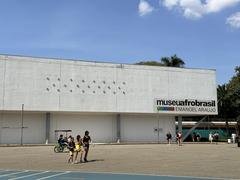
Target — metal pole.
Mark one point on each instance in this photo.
(158, 129)
(22, 124)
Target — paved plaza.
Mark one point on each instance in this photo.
(198, 160)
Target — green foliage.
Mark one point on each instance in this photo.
(172, 61)
(149, 63)
(229, 97)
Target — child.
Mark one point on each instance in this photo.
(71, 146)
(79, 148)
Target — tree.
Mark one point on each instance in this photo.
(172, 61)
(224, 104)
(150, 63)
(234, 92)
(229, 98)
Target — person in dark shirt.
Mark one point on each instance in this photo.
(61, 140)
(169, 137)
(86, 141)
(71, 146)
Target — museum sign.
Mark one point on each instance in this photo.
(186, 105)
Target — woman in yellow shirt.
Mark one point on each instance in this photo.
(79, 148)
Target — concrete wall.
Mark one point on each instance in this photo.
(33, 132)
(146, 128)
(102, 127)
(78, 86)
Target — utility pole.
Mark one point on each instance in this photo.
(22, 124)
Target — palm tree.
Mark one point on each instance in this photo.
(172, 61)
(224, 104)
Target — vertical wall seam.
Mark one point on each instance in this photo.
(4, 76)
(116, 97)
(59, 95)
(3, 97)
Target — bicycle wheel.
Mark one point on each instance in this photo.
(56, 149)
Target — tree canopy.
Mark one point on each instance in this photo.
(229, 97)
(172, 61)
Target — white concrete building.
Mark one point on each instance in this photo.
(132, 103)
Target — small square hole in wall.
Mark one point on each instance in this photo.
(65, 85)
(58, 90)
(94, 81)
(104, 92)
(88, 86)
(104, 82)
(71, 80)
(114, 92)
(78, 86)
(47, 89)
(58, 79)
(54, 85)
(71, 90)
(109, 87)
(83, 91)
(123, 83)
(124, 92)
(94, 92)
(99, 87)
(83, 81)
(114, 82)
(48, 78)
(119, 88)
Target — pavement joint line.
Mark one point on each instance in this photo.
(66, 172)
(13, 173)
(34, 174)
(156, 175)
(113, 173)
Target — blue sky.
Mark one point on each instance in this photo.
(205, 34)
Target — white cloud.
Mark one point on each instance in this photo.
(195, 9)
(144, 8)
(170, 3)
(234, 20)
(218, 5)
(192, 9)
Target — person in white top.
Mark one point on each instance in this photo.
(210, 137)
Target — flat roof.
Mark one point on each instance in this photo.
(103, 62)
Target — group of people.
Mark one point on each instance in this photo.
(75, 147)
(178, 138)
(213, 137)
(195, 137)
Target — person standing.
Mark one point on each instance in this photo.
(71, 146)
(210, 137)
(216, 137)
(79, 149)
(179, 138)
(86, 142)
(169, 137)
(198, 137)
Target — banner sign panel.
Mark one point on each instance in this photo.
(186, 106)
